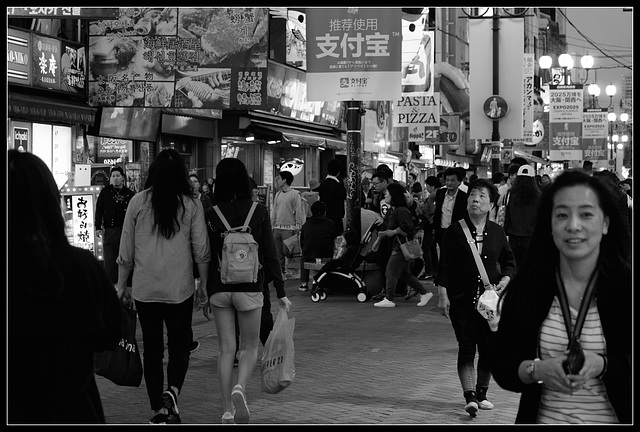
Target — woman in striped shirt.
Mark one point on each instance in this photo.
(579, 239)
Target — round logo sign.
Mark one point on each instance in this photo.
(495, 107)
(241, 255)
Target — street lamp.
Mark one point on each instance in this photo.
(594, 91)
(565, 61)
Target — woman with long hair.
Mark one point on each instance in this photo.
(61, 306)
(522, 207)
(579, 241)
(399, 228)
(164, 233)
(233, 196)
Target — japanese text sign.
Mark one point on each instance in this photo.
(353, 54)
(594, 134)
(565, 122)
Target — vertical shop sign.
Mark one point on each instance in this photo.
(565, 122)
(594, 134)
(82, 221)
(18, 56)
(73, 68)
(354, 53)
(46, 62)
(21, 139)
(527, 98)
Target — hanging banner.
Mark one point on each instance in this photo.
(594, 134)
(565, 122)
(420, 113)
(510, 72)
(180, 57)
(353, 54)
(417, 55)
(527, 97)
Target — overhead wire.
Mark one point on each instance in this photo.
(593, 43)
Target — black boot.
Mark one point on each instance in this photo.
(483, 403)
(472, 402)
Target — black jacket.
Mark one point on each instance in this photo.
(316, 237)
(333, 195)
(459, 207)
(517, 340)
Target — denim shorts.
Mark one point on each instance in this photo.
(242, 301)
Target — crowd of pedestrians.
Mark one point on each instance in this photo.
(559, 236)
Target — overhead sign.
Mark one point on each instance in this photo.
(528, 96)
(353, 53)
(62, 12)
(417, 55)
(212, 58)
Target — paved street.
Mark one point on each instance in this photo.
(355, 364)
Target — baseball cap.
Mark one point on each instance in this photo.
(526, 170)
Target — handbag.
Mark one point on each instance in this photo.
(487, 304)
(411, 249)
(122, 365)
(293, 245)
(277, 369)
(575, 358)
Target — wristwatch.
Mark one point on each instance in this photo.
(531, 370)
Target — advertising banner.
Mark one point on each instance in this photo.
(594, 134)
(353, 54)
(565, 122)
(417, 55)
(510, 73)
(420, 114)
(45, 52)
(527, 97)
(18, 56)
(180, 57)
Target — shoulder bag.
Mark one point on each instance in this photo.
(487, 304)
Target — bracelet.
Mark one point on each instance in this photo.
(604, 368)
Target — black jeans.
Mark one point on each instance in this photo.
(177, 318)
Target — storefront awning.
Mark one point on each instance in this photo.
(315, 139)
(529, 157)
(44, 109)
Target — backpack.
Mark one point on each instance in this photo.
(239, 261)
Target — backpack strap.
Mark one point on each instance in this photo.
(245, 226)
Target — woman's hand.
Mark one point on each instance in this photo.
(551, 373)
(443, 302)
(125, 296)
(285, 303)
(201, 296)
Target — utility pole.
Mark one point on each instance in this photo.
(354, 162)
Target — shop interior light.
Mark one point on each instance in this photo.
(624, 117)
(295, 145)
(272, 142)
(321, 148)
(249, 137)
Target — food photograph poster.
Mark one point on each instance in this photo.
(180, 58)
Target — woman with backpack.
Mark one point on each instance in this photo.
(232, 198)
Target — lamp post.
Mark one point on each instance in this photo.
(612, 138)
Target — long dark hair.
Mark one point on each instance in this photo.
(168, 181)
(36, 223)
(232, 181)
(397, 195)
(537, 273)
(524, 190)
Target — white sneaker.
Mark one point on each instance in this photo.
(385, 303)
(424, 299)
(485, 405)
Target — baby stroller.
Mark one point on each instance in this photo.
(348, 254)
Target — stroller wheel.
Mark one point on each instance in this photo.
(315, 297)
(323, 296)
(362, 297)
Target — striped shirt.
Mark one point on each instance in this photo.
(588, 405)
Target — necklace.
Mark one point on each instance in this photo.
(118, 197)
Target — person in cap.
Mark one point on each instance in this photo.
(109, 217)
(522, 205)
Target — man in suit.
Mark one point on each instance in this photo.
(333, 194)
(451, 203)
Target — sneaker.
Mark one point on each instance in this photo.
(240, 402)
(160, 418)
(227, 418)
(385, 303)
(472, 408)
(426, 276)
(378, 297)
(303, 287)
(485, 404)
(424, 299)
(194, 346)
(472, 402)
(170, 401)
